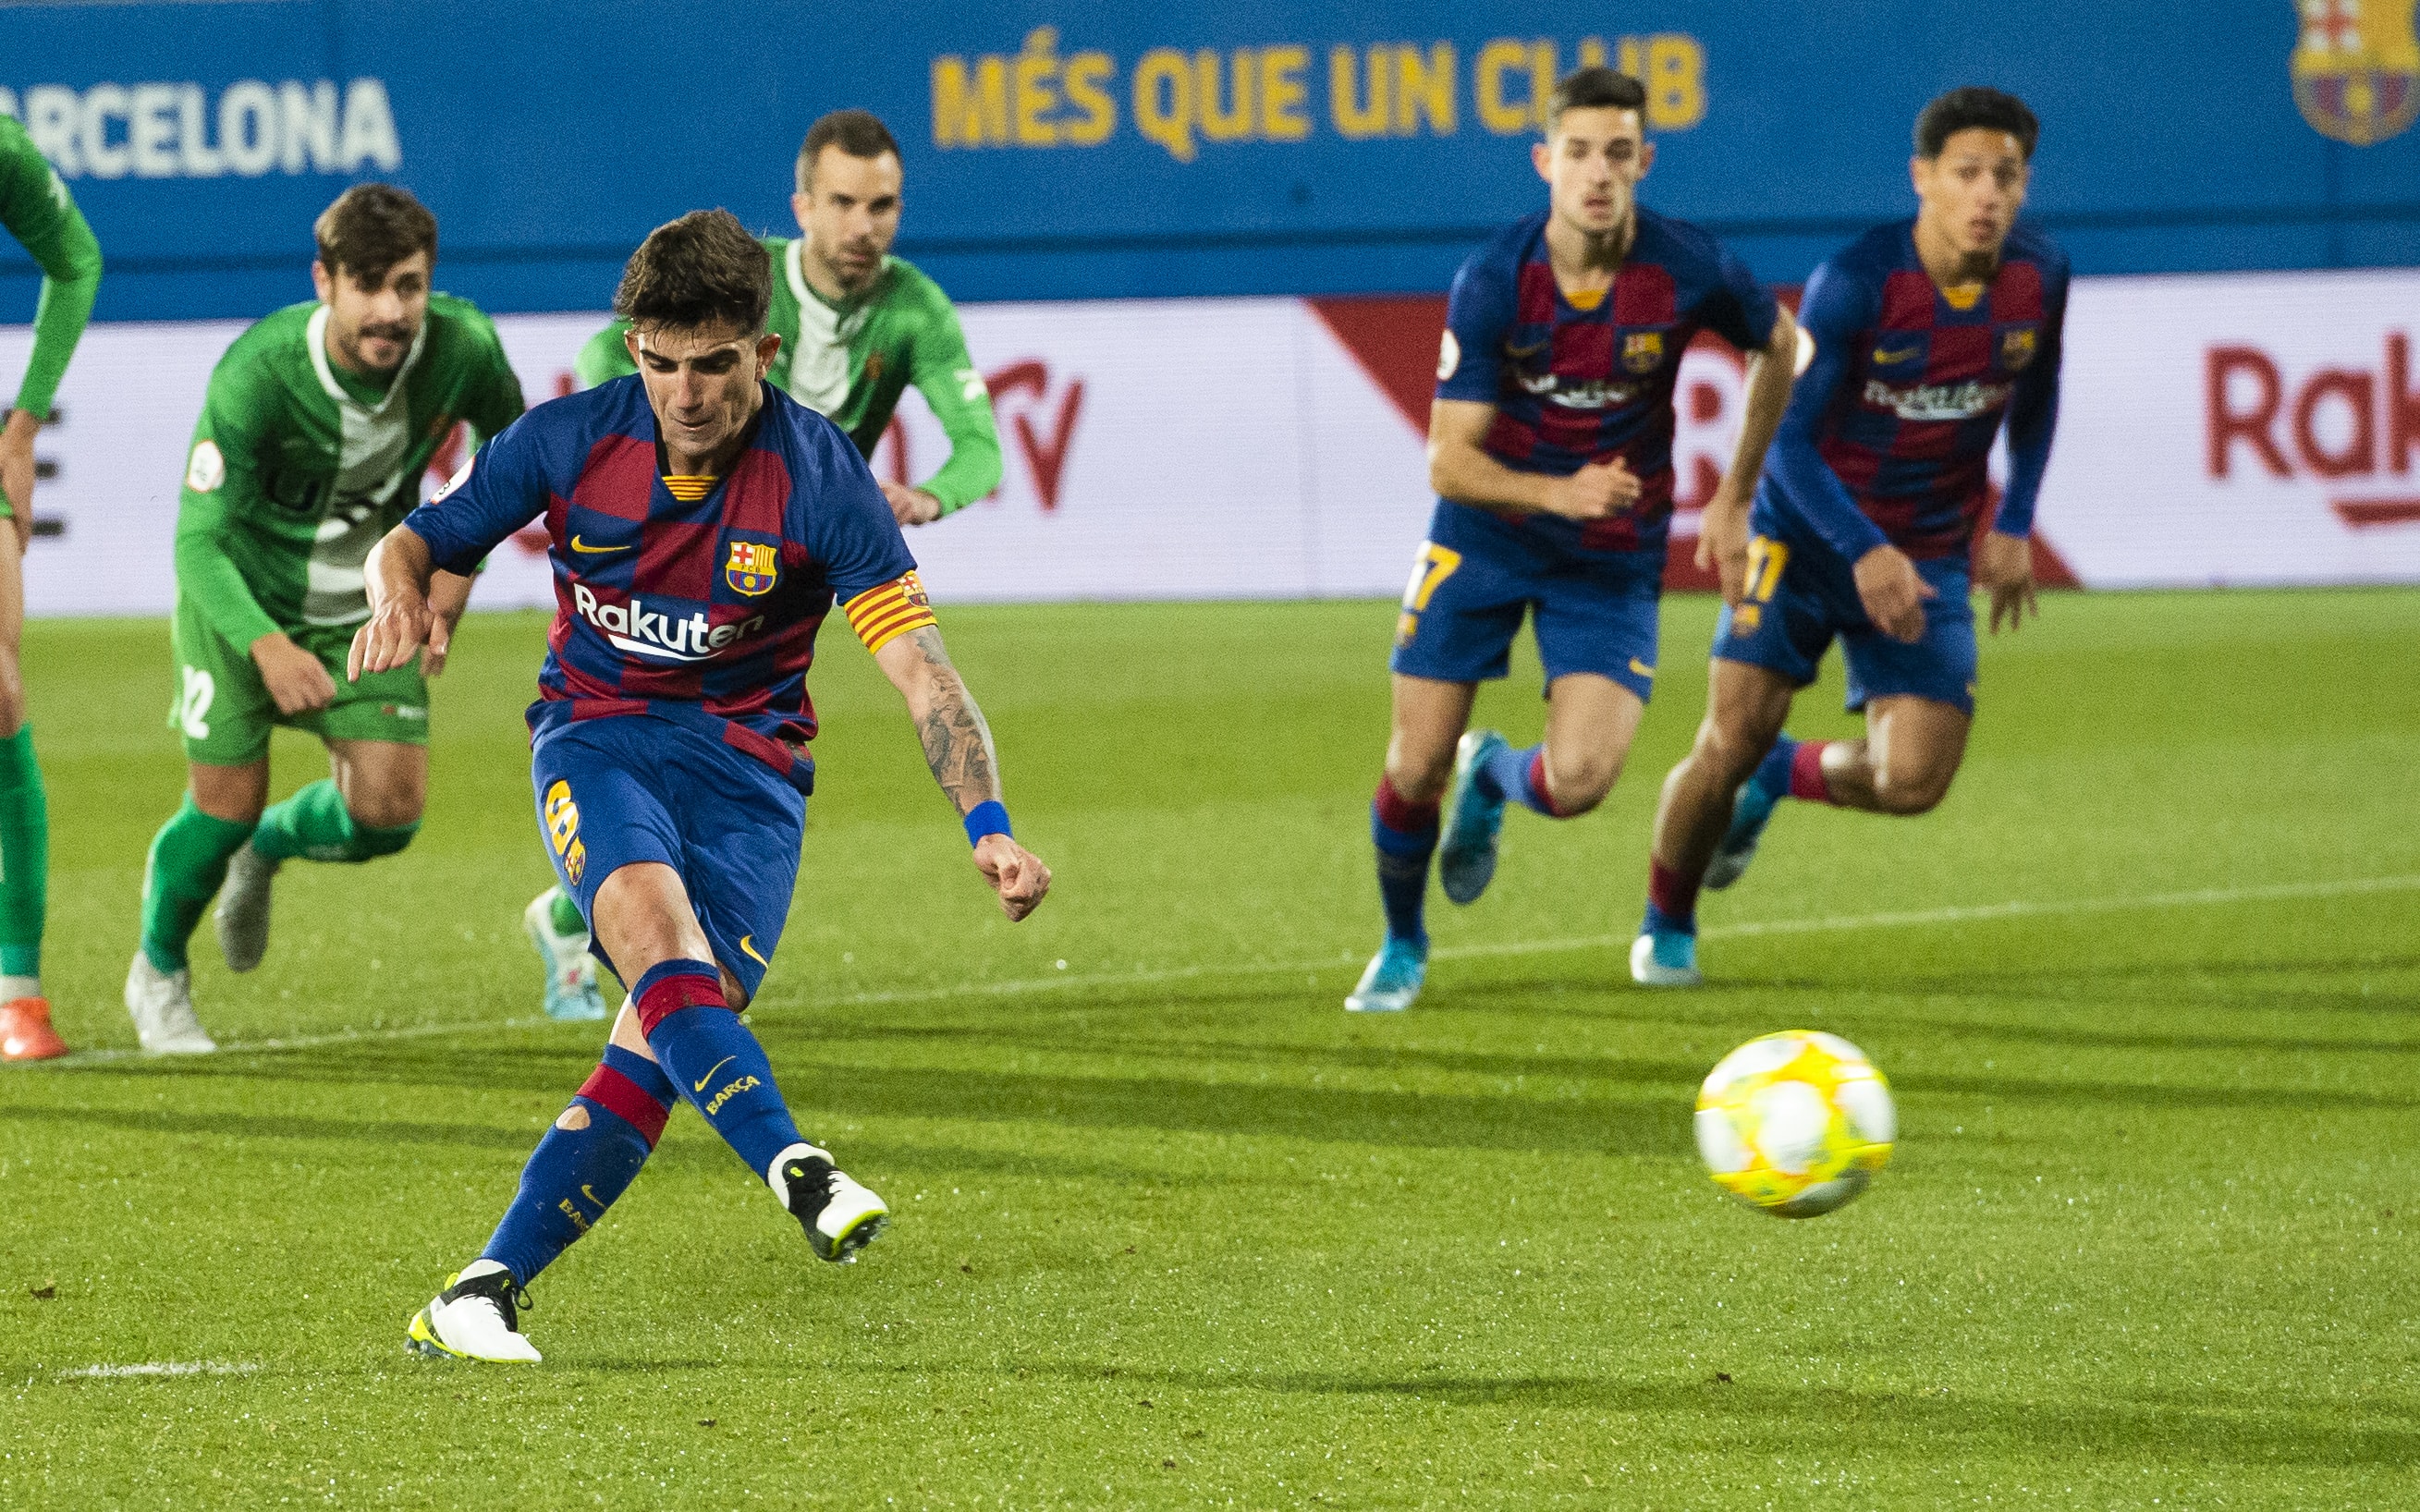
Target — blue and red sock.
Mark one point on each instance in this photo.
(1772, 775)
(713, 1060)
(1520, 776)
(1807, 771)
(1671, 901)
(1405, 834)
(588, 1159)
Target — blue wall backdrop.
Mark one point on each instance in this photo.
(1252, 147)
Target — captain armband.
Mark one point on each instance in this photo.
(881, 615)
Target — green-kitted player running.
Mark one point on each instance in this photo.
(857, 326)
(319, 423)
(34, 207)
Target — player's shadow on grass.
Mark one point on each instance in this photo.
(2242, 1429)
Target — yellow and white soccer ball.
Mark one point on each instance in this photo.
(1796, 1123)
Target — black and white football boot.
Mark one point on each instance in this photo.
(840, 1216)
(477, 1316)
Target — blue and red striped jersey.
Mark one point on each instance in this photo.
(1575, 384)
(702, 610)
(1888, 436)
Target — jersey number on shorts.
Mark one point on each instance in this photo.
(1766, 557)
(1435, 566)
(192, 712)
(563, 831)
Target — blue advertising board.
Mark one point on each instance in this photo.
(1255, 147)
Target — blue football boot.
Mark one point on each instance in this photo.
(1392, 979)
(1467, 845)
(1751, 810)
(1665, 958)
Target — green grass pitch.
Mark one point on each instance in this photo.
(1172, 1229)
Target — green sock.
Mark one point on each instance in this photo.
(24, 856)
(313, 824)
(566, 915)
(189, 860)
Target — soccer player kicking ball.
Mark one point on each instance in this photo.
(1550, 444)
(857, 326)
(319, 422)
(704, 523)
(35, 207)
(1928, 334)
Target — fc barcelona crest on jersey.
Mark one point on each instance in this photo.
(2357, 67)
(753, 568)
(1642, 351)
(2017, 348)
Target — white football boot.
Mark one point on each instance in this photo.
(840, 1216)
(241, 920)
(477, 1316)
(161, 1004)
(571, 992)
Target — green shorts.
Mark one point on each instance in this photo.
(224, 711)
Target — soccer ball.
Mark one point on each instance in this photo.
(1795, 1124)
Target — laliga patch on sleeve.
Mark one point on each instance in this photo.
(207, 469)
(1449, 356)
(455, 480)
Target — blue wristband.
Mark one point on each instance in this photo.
(987, 818)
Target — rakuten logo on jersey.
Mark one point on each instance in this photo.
(1937, 401)
(2351, 426)
(652, 633)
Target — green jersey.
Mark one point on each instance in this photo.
(34, 207)
(851, 361)
(298, 467)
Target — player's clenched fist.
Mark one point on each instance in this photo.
(1015, 873)
(392, 635)
(1596, 490)
(293, 676)
(1892, 592)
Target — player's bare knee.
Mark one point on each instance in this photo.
(1914, 789)
(1419, 777)
(391, 808)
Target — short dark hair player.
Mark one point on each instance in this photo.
(704, 524)
(1930, 335)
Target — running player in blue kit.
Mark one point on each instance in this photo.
(1928, 334)
(1550, 446)
(703, 525)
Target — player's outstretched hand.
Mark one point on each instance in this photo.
(1596, 492)
(1722, 543)
(1015, 873)
(392, 636)
(2004, 565)
(911, 506)
(1892, 592)
(294, 677)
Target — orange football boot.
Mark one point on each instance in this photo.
(25, 1032)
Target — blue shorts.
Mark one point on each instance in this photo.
(618, 790)
(1802, 597)
(1477, 574)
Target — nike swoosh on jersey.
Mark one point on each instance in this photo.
(1900, 356)
(579, 545)
(747, 948)
(699, 1085)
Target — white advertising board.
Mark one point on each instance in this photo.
(2251, 428)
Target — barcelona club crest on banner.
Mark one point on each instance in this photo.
(1642, 351)
(752, 568)
(2357, 68)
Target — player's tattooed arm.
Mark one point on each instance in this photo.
(958, 746)
(957, 743)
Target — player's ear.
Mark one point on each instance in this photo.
(630, 344)
(768, 345)
(800, 202)
(1646, 156)
(1542, 157)
(323, 282)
